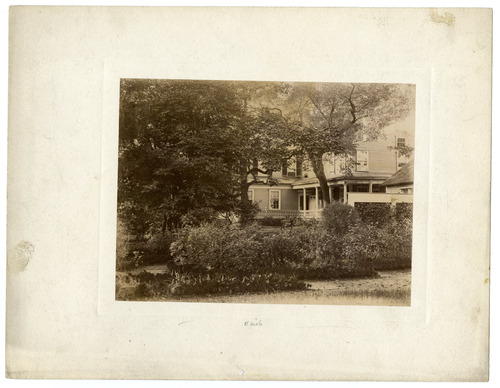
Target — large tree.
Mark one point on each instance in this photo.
(188, 148)
(193, 148)
(326, 118)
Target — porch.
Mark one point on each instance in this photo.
(282, 214)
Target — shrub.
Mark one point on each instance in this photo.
(373, 213)
(159, 243)
(247, 210)
(199, 216)
(142, 290)
(229, 249)
(286, 248)
(394, 244)
(157, 249)
(339, 217)
(302, 250)
(333, 256)
(176, 284)
(270, 221)
(404, 212)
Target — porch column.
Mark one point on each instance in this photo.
(317, 202)
(370, 189)
(304, 201)
(345, 192)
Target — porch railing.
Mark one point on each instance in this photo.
(289, 213)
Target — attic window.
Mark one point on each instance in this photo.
(401, 142)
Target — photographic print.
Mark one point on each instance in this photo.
(248, 193)
(265, 192)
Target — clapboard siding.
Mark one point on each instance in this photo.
(289, 199)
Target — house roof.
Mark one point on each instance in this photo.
(305, 181)
(401, 177)
(357, 175)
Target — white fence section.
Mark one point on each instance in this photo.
(289, 213)
(352, 198)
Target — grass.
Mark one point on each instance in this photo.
(388, 297)
(313, 297)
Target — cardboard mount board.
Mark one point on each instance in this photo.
(64, 69)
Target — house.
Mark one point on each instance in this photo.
(363, 177)
(401, 181)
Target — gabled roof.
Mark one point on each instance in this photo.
(401, 177)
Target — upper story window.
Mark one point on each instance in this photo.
(250, 196)
(292, 168)
(401, 142)
(275, 199)
(361, 160)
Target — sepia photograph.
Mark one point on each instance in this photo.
(249, 194)
(265, 192)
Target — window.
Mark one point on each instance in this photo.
(291, 168)
(299, 167)
(250, 196)
(361, 160)
(401, 142)
(275, 199)
(284, 168)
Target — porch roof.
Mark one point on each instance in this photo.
(401, 177)
(360, 176)
(305, 182)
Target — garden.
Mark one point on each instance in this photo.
(222, 258)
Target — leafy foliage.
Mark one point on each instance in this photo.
(339, 218)
(187, 149)
(374, 213)
(328, 117)
(174, 283)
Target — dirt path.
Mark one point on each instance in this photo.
(389, 280)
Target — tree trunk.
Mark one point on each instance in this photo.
(244, 190)
(319, 171)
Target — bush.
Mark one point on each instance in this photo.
(394, 242)
(373, 213)
(247, 210)
(305, 249)
(404, 212)
(287, 247)
(339, 217)
(196, 217)
(142, 290)
(157, 249)
(270, 221)
(211, 248)
(175, 283)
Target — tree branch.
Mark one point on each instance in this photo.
(351, 103)
(319, 109)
